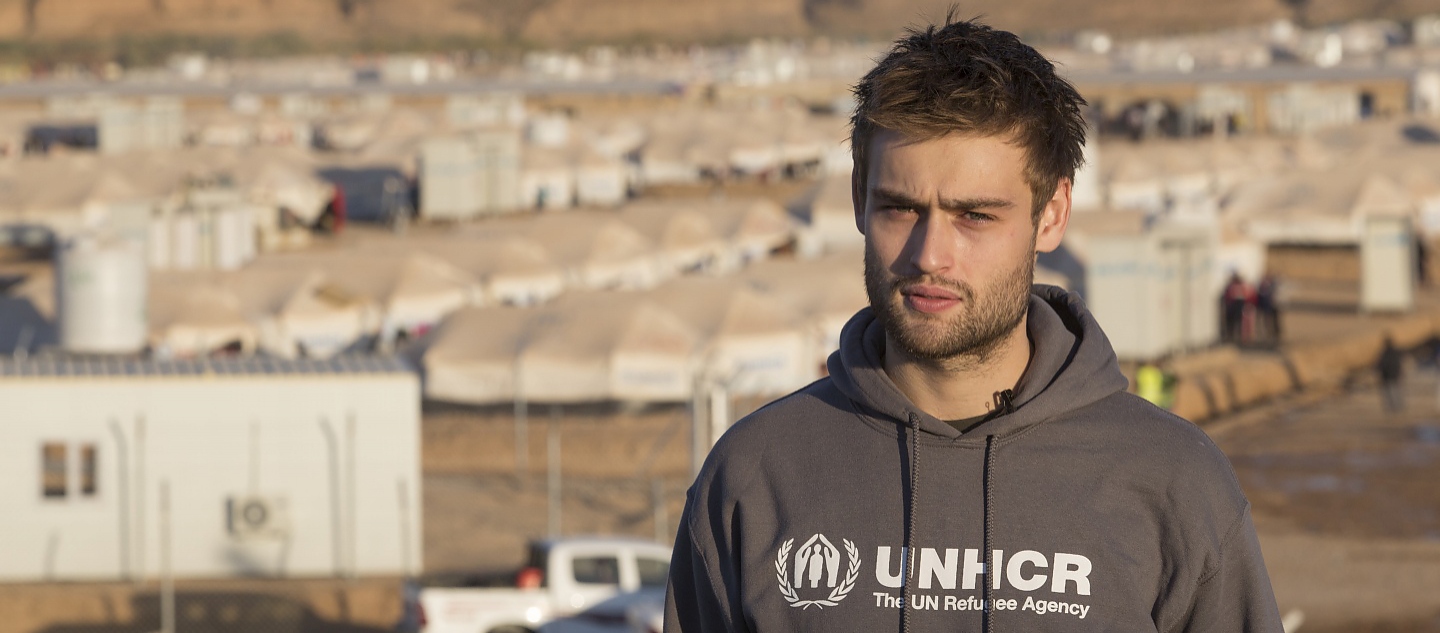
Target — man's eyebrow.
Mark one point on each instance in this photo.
(953, 205)
(975, 204)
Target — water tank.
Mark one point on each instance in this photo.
(234, 238)
(100, 292)
(186, 235)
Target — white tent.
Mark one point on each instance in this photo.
(547, 180)
(221, 128)
(1315, 207)
(470, 358)
(412, 291)
(753, 344)
(585, 347)
(615, 137)
(829, 213)
(825, 291)
(193, 314)
(321, 320)
(281, 178)
(686, 237)
(598, 346)
(68, 194)
(597, 250)
(600, 180)
(668, 158)
(754, 227)
(513, 269)
(298, 312)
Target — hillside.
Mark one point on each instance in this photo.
(324, 24)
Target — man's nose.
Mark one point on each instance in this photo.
(932, 243)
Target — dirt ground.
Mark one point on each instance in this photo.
(1346, 499)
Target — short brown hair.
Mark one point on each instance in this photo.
(966, 77)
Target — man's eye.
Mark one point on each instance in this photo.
(897, 209)
(973, 216)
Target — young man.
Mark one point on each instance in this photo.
(969, 418)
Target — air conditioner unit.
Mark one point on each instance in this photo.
(258, 516)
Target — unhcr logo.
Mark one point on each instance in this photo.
(817, 567)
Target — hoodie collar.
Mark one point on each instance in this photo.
(1071, 365)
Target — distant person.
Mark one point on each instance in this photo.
(973, 462)
(1267, 308)
(1150, 384)
(1422, 260)
(1233, 301)
(1391, 366)
(1155, 382)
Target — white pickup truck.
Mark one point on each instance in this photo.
(586, 578)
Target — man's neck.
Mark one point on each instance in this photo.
(961, 387)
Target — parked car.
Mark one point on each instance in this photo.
(563, 577)
(641, 611)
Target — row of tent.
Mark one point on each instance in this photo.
(72, 193)
(1317, 189)
(764, 331)
(671, 146)
(380, 289)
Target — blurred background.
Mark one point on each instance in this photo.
(370, 315)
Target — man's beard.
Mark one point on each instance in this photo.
(970, 337)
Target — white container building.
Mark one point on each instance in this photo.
(1151, 286)
(448, 172)
(269, 468)
(497, 153)
(464, 177)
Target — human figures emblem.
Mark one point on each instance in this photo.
(819, 557)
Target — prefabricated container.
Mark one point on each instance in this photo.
(1387, 264)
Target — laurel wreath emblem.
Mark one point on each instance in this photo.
(782, 564)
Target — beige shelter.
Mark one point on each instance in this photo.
(193, 314)
(470, 358)
(600, 346)
(752, 343)
(1315, 207)
(412, 291)
(829, 214)
(754, 227)
(686, 237)
(826, 292)
(596, 249)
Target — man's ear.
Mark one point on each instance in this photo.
(1050, 229)
(857, 198)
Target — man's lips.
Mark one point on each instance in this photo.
(929, 299)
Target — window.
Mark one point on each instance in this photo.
(600, 570)
(653, 572)
(87, 470)
(52, 470)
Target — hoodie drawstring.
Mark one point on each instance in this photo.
(989, 593)
(910, 524)
(1007, 405)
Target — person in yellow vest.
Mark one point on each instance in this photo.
(1150, 385)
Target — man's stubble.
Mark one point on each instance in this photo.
(963, 340)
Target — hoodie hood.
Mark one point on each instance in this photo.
(1071, 365)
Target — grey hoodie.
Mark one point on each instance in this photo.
(1097, 511)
